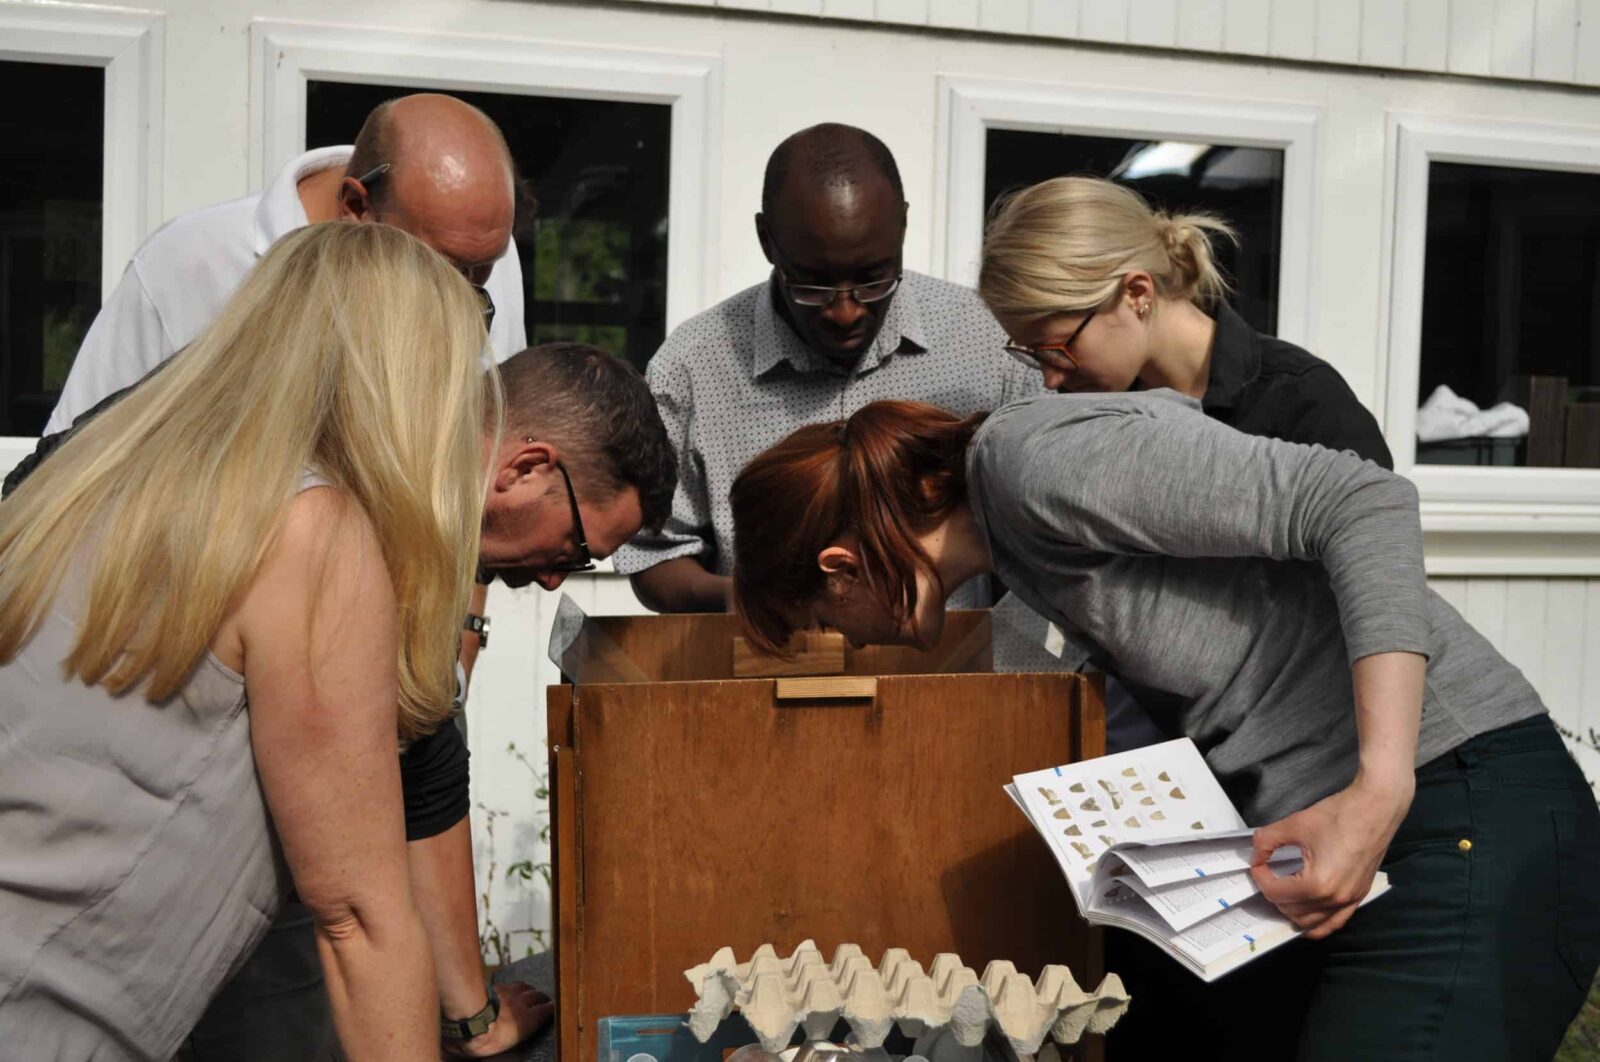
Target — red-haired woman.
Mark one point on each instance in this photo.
(1270, 598)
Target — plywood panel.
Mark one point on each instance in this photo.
(1200, 24)
(1104, 20)
(1471, 36)
(1383, 32)
(1555, 45)
(1486, 609)
(1246, 27)
(1293, 30)
(1339, 32)
(1055, 18)
(1153, 23)
(1004, 16)
(1427, 34)
(708, 815)
(1512, 54)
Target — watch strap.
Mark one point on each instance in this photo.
(477, 1025)
(478, 625)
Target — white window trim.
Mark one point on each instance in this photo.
(969, 107)
(1531, 504)
(286, 55)
(128, 44)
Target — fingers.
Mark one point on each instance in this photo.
(1270, 838)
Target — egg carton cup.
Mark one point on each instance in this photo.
(779, 995)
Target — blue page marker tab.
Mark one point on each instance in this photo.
(1223, 902)
(1058, 772)
(1199, 873)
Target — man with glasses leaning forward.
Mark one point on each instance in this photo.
(439, 169)
(839, 323)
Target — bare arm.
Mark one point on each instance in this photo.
(318, 630)
(682, 585)
(1344, 837)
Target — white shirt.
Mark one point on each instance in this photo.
(178, 280)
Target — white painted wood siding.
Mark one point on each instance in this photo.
(1555, 41)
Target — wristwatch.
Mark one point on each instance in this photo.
(477, 1025)
(478, 625)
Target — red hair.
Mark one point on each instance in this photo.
(891, 472)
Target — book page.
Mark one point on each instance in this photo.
(1156, 864)
(1189, 902)
(1084, 809)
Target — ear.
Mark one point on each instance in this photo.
(764, 236)
(525, 464)
(1138, 287)
(354, 204)
(839, 560)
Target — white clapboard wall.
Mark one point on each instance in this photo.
(1534, 40)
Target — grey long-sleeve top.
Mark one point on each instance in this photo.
(1229, 581)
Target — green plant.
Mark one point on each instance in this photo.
(500, 945)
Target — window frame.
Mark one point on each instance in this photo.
(1457, 499)
(286, 55)
(969, 107)
(129, 45)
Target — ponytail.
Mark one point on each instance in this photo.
(887, 475)
(1064, 245)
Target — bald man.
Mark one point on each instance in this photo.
(839, 323)
(439, 169)
(429, 164)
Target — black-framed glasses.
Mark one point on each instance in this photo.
(1056, 356)
(819, 295)
(585, 562)
(378, 173)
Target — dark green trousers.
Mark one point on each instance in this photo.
(1483, 950)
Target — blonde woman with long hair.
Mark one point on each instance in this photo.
(223, 603)
(1100, 292)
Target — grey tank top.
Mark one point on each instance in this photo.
(138, 863)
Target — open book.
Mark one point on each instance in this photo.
(1149, 842)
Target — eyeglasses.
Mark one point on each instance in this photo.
(585, 562)
(816, 295)
(1056, 356)
(376, 174)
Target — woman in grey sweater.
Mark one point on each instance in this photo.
(1269, 600)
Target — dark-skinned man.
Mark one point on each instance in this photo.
(838, 324)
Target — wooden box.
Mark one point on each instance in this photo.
(693, 810)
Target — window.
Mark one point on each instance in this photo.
(1511, 312)
(594, 255)
(1243, 185)
(50, 231)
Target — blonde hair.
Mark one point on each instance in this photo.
(353, 350)
(1065, 244)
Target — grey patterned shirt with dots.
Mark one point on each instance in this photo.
(736, 379)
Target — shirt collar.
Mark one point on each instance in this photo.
(777, 343)
(1235, 358)
(280, 211)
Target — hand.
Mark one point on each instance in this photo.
(524, 1010)
(1343, 839)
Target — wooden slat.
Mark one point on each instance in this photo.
(853, 9)
(1055, 18)
(1338, 31)
(1200, 25)
(1564, 640)
(564, 863)
(1555, 45)
(1525, 616)
(1588, 58)
(826, 687)
(1453, 591)
(1293, 29)
(1486, 609)
(1588, 715)
(1246, 26)
(1512, 54)
(1153, 23)
(1383, 32)
(953, 14)
(1104, 20)
(1427, 34)
(815, 653)
(796, 7)
(1004, 16)
(1471, 36)
(910, 12)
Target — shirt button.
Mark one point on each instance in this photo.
(1464, 844)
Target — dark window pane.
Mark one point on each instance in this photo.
(52, 153)
(594, 260)
(1243, 185)
(1511, 306)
